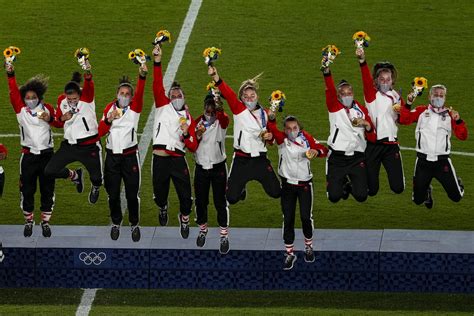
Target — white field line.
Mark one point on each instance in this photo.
(86, 302)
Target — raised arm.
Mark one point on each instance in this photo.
(236, 106)
(277, 134)
(332, 102)
(87, 89)
(158, 88)
(367, 80)
(137, 101)
(408, 116)
(15, 96)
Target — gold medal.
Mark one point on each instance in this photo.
(309, 154)
(182, 120)
(119, 111)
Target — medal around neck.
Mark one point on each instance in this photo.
(82, 55)
(138, 56)
(10, 53)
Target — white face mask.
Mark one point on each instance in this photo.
(32, 103)
(72, 104)
(210, 118)
(293, 134)
(437, 102)
(178, 103)
(385, 87)
(123, 101)
(251, 105)
(347, 101)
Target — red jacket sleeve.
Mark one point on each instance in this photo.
(313, 144)
(371, 135)
(57, 119)
(408, 116)
(158, 89)
(88, 89)
(191, 141)
(332, 102)
(236, 106)
(15, 97)
(459, 128)
(223, 119)
(137, 101)
(278, 135)
(104, 125)
(52, 114)
(368, 83)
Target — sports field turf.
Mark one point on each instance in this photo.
(283, 39)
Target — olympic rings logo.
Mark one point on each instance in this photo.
(92, 258)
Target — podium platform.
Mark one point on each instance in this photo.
(346, 260)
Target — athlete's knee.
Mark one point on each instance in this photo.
(397, 189)
(362, 197)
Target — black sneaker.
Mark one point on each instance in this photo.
(243, 194)
(79, 182)
(224, 245)
(94, 194)
(114, 232)
(346, 189)
(289, 262)
(163, 216)
(309, 254)
(201, 240)
(28, 230)
(183, 227)
(136, 235)
(429, 198)
(46, 229)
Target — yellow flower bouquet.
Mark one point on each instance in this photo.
(82, 54)
(138, 56)
(10, 54)
(162, 36)
(211, 54)
(418, 85)
(277, 101)
(361, 39)
(216, 93)
(329, 54)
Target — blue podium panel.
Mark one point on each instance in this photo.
(206, 279)
(18, 267)
(92, 267)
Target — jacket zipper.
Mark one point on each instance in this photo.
(281, 160)
(240, 136)
(446, 150)
(85, 123)
(220, 146)
(419, 140)
(133, 133)
(50, 137)
(335, 135)
(22, 133)
(158, 129)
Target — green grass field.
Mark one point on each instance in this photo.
(283, 39)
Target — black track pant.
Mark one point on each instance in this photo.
(302, 193)
(245, 169)
(89, 155)
(338, 168)
(126, 168)
(443, 171)
(32, 169)
(203, 180)
(390, 157)
(176, 169)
